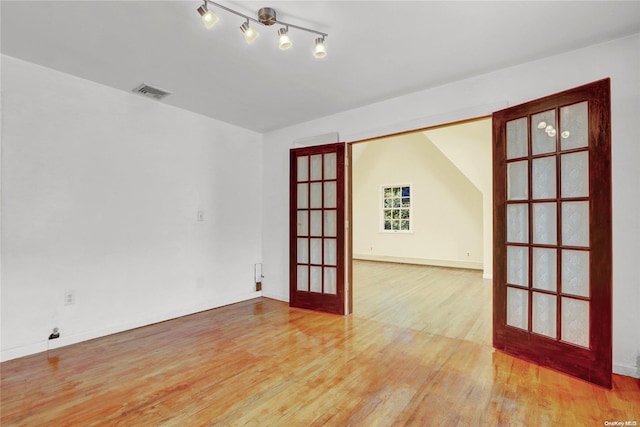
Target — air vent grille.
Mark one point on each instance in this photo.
(151, 92)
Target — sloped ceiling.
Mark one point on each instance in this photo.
(376, 49)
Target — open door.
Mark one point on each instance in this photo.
(552, 232)
(317, 255)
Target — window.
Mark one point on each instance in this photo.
(396, 208)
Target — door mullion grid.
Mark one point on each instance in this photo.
(530, 223)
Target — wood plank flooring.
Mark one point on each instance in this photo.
(262, 363)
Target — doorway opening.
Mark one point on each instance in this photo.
(422, 229)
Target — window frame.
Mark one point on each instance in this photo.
(383, 209)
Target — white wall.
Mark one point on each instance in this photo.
(480, 96)
(446, 206)
(100, 193)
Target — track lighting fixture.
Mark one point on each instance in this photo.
(284, 41)
(266, 17)
(249, 33)
(320, 51)
(208, 17)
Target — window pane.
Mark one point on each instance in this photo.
(406, 202)
(404, 214)
(518, 265)
(544, 314)
(316, 251)
(404, 225)
(517, 180)
(397, 202)
(316, 195)
(303, 196)
(545, 269)
(388, 203)
(574, 123)
(575, 223)
(330, 223)
(575, 272)
(543, 180)
(330, 280)
(545, 223)
(316, 167)
(518, 308)
(395, 224)
(406, 192)
(543, 132)
(330, 196)
(303, 168)
(518, 223)
(303, 223)
(303, 278)
(330, 166)
(575, 321)
(387, 225)
(316, 279)
(316, 223)
(303, 251)
(330, 252)
(575, 174)
(517, 138)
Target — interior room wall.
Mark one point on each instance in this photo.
(477, 97)
(446, 206)
(101, 191)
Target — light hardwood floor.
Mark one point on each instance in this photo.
(262, 363)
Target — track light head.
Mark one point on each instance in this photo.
(320, 51)
(284, 41)
(208, 17)
(249, 33)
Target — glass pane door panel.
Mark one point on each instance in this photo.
(303, 168)
(517, 138)
(544, 178)
(517, 180)
(330, 252)
(330, 196)
(574, 126)
(316, 223)
(303, 251)
(518, 308)
(303, 223)
(575, 174)
(518, 265)
(545, 223)
(316, 251)
(543, 132)
(303, 196)
(315, 284)
(316, 195)
(575, 321)
(575, 223)
(545, 269)
(330, 280)
(330, 223)
(575, 272)
(330, 166)
(544, 314)
(303, 278)
(518, 223)
(316, 167)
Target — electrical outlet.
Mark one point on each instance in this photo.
(69, 297)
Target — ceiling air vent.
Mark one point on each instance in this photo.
(151, 92)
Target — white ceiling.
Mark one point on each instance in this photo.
(376, 49)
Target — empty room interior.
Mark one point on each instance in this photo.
(319, 213)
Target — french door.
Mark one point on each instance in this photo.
(552, 232)
(317, 262)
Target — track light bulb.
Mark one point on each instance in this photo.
(320, 51)
(208, 17)
(249, 33)
(284, 42)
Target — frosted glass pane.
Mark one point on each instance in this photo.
(518, 223)
(545, 269)
(316, 167)
(303, 223)
(330, 224)
(330, 166)
(517, 138)
(518, 308)
(330, 280)
(316, 251)
(303, 251)
(518, 265)
(543, 132)
(303, 278)
(575, 321)
(316, 223)
(303, 196)
(545, 222)
(575, 272)
(316, 195)
(575, 174)
(316, 279)
(303, 168)
(575, 223)
(330, 196)
(574, 124)
(517, 180)
(544, 314)
(330, 252)
(543, 180)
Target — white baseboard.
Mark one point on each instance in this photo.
(421, 261)
(626, 370)
(63, 341)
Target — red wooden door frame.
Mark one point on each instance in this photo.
(594, 363)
